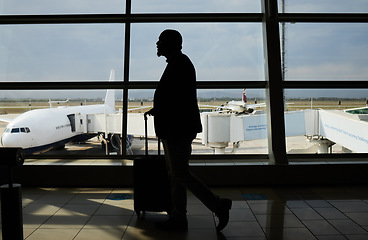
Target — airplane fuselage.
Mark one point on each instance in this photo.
(237, 106)
(42, 129)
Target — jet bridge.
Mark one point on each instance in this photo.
(112, 124)
(348, 130)
(324, 127)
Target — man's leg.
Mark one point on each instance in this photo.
(177, 153)
(178, 189)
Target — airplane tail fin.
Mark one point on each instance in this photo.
(244, 98)
(110, 93)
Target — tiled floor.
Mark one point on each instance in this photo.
(332, 213)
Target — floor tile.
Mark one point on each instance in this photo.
(290, 234)
(330, 213)
(359, 218)
(144, 234)
(54, 197)
(347, 227)
(351, 206)
(296, 204)
(198, 209)
(34, 221)
(89, 198)
(241, 215)
(54, 234)
(146, 224)
(120, 222)
(59, 221)
(239, 204)
(279, 221)
(243, 229)
(195, 234)
(241, 238)
(318, 203)
(306, 214)
(320, 227)
(269, 208)
(78, 209)
(100, 234)
(331, 237)
(195, 222)
(117, 210)
(357, 237)
(26, 232)
(41, 209)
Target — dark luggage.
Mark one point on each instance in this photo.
(151, 182)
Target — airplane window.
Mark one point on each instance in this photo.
(23, 130)
(15, 130)
(27, 130)
(7, 130)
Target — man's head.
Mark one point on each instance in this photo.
(169, 42)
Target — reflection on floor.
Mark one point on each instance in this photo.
(339, 212)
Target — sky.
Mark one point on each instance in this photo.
(226, 51)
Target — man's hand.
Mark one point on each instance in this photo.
(150, 112)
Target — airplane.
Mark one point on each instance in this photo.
(58, 102)
(239, 107)
(41, 130)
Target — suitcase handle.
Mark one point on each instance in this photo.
(146, 137)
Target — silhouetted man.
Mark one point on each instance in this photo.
(177, 122)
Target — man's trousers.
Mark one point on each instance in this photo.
(177, 153)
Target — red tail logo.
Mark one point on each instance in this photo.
(244, 98)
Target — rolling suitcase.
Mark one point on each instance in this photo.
(151, 182)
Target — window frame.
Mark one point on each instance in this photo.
(273, 83)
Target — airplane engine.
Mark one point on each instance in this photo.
(115, 141)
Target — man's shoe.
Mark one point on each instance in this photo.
(223, 213)
(173, 225)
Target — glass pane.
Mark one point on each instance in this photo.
(64, 123)
(335, 52)
(61, 7)
(218, 51)
(192, 6)
(61, 52)
(325, 6)
(326, 121)
(230, 126)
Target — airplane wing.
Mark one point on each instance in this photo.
(138, 108)
(209, 106)
(256, 105)
(5, 119)
(261, 105)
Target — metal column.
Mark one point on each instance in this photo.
(274, 89)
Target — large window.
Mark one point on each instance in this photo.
(328, 51)
(62, 7)
(219, 51)
(67, 52)
(326, 6)
(293, 59)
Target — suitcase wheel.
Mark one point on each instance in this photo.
(140, 214)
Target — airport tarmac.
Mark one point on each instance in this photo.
(93, 147)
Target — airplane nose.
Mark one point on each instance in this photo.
(7, 141)
(3, 141)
